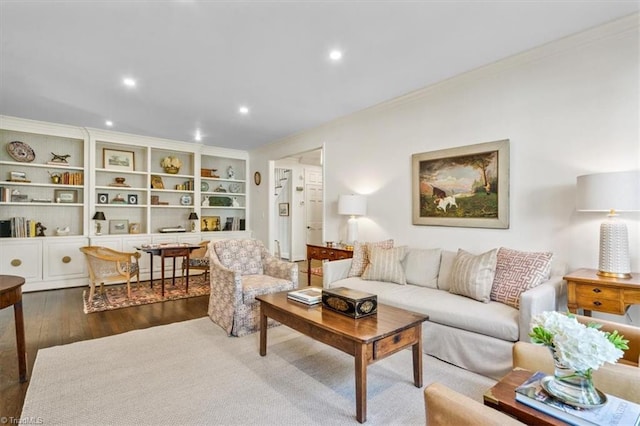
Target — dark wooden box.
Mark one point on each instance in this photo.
(352, 303)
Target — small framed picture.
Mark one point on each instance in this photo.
(132, 199)
(156, 182)
(119, 226)
(283, 209)
(18, 176)
(65, 195)
(134, 228)
(103, 198)
(114, 159)
(210, 223)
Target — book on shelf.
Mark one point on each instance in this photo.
(616, 412)
(309, 296)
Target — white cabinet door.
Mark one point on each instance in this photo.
(63, 258)
(22, 258)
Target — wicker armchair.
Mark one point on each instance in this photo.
(241, 270)
(107, 265)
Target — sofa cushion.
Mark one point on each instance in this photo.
(492, 319)
(243, 256)
(472, 275)
(517, 272)
(421, 267)
(444, 274)
(386, 265)
(360, 258)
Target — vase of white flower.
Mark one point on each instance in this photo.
(577, 351)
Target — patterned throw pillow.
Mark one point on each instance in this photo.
(472, 275)
(244, 256)
(386, 265)
(361, 256)
(517, 272)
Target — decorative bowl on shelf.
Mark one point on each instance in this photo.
(171, 164)
(120, 180)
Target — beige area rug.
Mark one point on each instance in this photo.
(115, 296)
(192, 373)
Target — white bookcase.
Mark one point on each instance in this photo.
(138, 197)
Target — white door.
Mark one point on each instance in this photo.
(313, 191)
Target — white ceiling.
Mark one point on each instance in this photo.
(197, 61)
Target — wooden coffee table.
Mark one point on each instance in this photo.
(502, 397)
(367, 339)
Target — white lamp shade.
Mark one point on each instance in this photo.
(352, 205)
(605, 191)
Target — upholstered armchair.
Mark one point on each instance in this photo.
(107, 265)
(240, 270)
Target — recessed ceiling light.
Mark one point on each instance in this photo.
(108, 123)
(198, 136)
(244, 110)
(129, 82)
(335, 55)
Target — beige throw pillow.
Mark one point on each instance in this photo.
(517, 272)
(472, 275)
(386, 265)
(361, 256)
(421, 267)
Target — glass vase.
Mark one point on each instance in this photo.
(573, 387)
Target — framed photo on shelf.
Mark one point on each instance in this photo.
(134, 228)
(103, 198)
(115, 159)
(119, 226)
(210, 223)
(132, 199)
(283, 209)
(65, 195)
(466, 186)
(156, 182)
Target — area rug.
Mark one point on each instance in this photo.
(314, 271)
(192, 373)
(115, 296)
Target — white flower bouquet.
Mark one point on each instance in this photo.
(581, 348)
(171, 164)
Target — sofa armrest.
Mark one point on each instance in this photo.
(548, 296)
(444, 407)
(334, 271)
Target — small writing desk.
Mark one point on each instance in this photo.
(169, 250)
(11, 294)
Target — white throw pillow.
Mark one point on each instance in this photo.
(444, 274)
(421, 267)
(386, 265)
(472, 275)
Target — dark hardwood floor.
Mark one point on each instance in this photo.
(55, 317)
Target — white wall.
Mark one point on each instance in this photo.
(568, 108)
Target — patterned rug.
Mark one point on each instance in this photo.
(115, 296)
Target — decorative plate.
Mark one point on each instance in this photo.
(204, 186)
(185, 200)
(235, 187)
(20, 151)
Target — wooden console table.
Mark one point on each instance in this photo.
(591, 292)
(11, 294)
(325, 253)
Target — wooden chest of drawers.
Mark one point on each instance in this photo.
(325, 253)
(588, 291)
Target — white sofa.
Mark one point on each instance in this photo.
(465, 332)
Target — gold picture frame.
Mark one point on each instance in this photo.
(466, 186)
(210, 223)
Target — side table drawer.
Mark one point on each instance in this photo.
(594, 291)
(599, 304)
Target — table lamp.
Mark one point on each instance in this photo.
(98, 216)
(612, 192)
(193, 216)
(352, 205)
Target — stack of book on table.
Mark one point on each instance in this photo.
(308, 296)
(616, 411)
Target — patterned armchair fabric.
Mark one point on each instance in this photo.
(240, 270)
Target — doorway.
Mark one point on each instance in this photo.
(298, 207)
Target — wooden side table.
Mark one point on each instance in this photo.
(11, 294)
(502, 397)
(325, 253)
(591, 292)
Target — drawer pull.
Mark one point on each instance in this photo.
(66, 259)
(597, 290)
(597, 303)
(16, 262)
